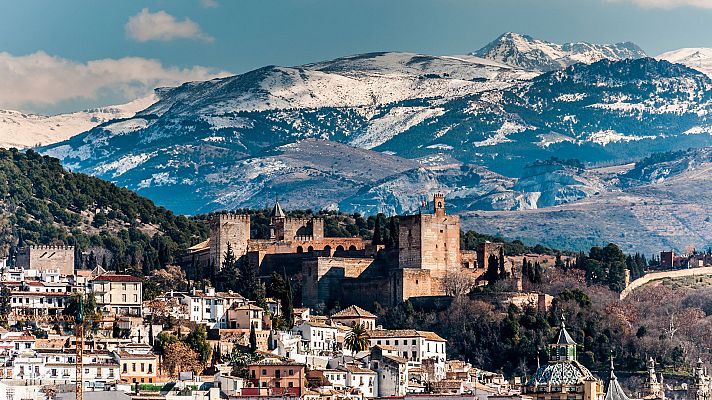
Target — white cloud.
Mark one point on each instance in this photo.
(41, 80)
(209, 3)
(162, 26)
(668, 3)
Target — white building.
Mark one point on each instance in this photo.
(118, 294)
(317, 338)
(420, 348)
(362, 379)
(209, 307)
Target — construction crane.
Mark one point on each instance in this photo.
(79, 328)
(80, 324)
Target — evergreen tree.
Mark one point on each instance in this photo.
(253, 339)
(492, 274)
(537, 273)
(288, 305)
(229, 275)
(378, 230)
(558, 264)
(197, 339)
(393, 232)
(5, 297)
(500, 260)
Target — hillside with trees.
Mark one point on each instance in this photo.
(42, 203)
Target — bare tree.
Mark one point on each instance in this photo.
(179, 357)
(457, 283)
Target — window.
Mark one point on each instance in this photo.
(277, 384)
(264, 372)
(150, 368)
(125, 368)
(135, 298)
(290, 384)
(291, 372)
(396, 342)
(123, 286)
(86, 370)
(133, 367)
(123, 298)
(142, 368)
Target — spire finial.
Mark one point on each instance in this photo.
(611, 358)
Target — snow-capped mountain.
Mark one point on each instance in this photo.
(233, 141)
(699, 58)
(528, 53)
(22, 130)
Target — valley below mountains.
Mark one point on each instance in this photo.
(554, 144)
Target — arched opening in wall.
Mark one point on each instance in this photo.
(352, 248)
(339, 249)
(300, 249)
(327, 250)
(310, 249)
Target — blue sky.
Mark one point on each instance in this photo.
(93, 52)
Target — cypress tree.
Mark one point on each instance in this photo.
(253, 339)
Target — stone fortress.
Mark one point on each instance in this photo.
(350, 270)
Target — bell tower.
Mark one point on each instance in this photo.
(439, 204)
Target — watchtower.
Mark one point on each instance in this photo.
(228, 228)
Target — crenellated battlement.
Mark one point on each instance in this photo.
(49, 247)
(229, 216)
(302, 219)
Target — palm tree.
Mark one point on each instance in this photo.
(358, 339)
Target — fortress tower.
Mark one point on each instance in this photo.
(288, 229)
(228, 228)
(430, 241)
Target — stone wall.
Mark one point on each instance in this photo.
(323, 276)
(654, 276)
(412, 282)
(47, 258)
(311, 228)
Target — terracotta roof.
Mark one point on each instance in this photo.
(356, 369)
(43, 294)
(249, 307)
(353, 312)
(200, 246)
(447, 384)
(401, 333)
(117, 278)
(399, 360)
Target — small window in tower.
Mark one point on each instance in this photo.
(416, 281)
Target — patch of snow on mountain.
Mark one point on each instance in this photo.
(128, 126)
(547, 139)
(609, 136)
(227, 122)
(699, 58)
(22, 130)
(397, 120)
(497, 138)
(122, 165)
(439, 146)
